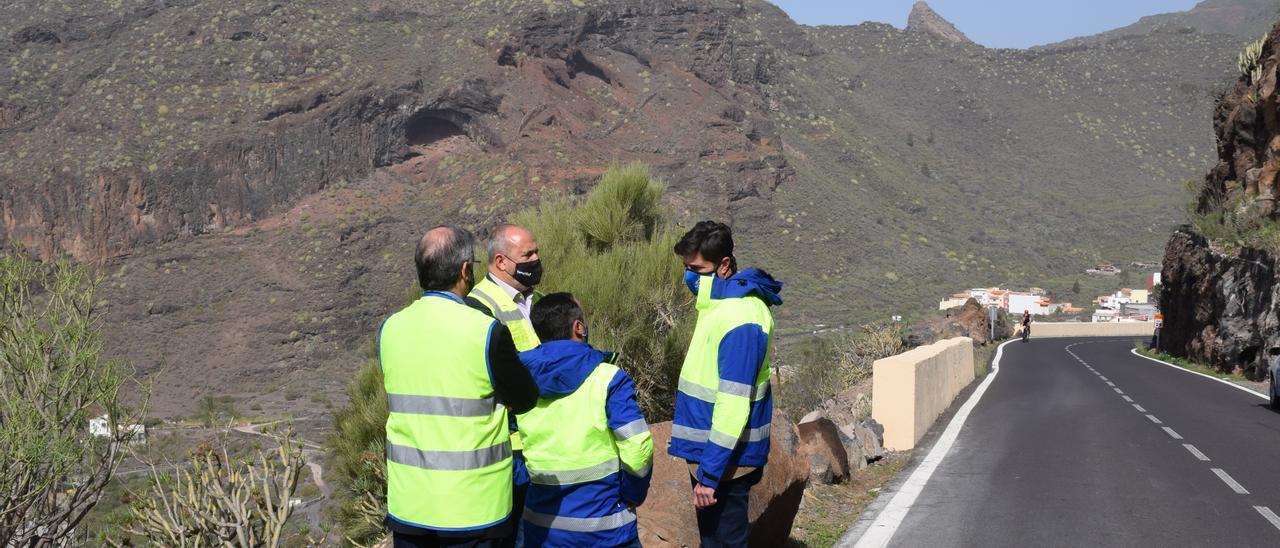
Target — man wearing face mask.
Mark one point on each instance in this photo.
(724, 403)
(507, 292)
(507, 295)
(452, 375)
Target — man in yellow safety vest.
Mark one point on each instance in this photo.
(587, 445)
(506, 294)
(451, 375)
(724, 401)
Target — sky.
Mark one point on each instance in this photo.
(992, 23)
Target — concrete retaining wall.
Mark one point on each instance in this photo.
(1081, 329)
(910, 390)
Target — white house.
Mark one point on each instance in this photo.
(1037, 305)
(101, 428)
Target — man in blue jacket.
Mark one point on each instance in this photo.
(586, 444)
(724, 402)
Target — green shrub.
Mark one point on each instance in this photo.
(358, 446)
(614, 253)
(821, 368)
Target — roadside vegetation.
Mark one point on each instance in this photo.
(818, 368)
(1189, 365)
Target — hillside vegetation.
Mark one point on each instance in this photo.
(254, 173)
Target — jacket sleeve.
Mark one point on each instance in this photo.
(742, 352)
(631, 433)
(512, 382)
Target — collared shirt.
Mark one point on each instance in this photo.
(521, 300)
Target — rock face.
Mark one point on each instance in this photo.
(1220, 305)
(822, 447)
(924, 19)
(667, 517)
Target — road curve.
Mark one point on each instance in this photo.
(1080, 442)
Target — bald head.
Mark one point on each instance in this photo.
(509, 246)
(440, 257)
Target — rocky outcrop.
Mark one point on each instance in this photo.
(822, 448)
(667, 518)
(1219, 301)
(924, 19)
(1219, 309)
(277, 113)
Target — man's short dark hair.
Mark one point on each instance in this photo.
(553, 316)
(712, 240)
(439, 257)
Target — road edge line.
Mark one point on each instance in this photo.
(1134, 351)
(890, 518)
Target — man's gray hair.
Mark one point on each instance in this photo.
(440, 255)
(498, 243)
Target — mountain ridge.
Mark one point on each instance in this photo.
(219, 156)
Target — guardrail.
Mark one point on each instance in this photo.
(911, 389)
(1082, 329)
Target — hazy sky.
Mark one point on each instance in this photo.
(992, 23)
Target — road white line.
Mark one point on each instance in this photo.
(890, 518)
(1267, 513)
(1139, 408)
(1118, 391)
(1171, 433)
(1154, 419)
(1226, 382)
(1111, 384)
(1127, 398)
(1196, 452)
(1230, 481)
(1103, 378)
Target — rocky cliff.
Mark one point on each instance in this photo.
(924, 19)
(1220, 282)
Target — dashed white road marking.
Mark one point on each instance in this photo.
(1139, 408)
(1103, 378)
(1118, 391)
(1111, 384)
(1154, 419)
(1127, 398)
(1172, 434)
(1196, 452)
(1267, 513)
(1230, 481)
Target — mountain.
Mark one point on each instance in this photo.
(252, 175)
(1243, 18)
(923, 19)
(1219, 275)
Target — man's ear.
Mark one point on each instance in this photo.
(725, 266)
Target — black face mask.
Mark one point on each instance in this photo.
(529, 273)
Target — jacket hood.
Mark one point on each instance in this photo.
(746, 282)
(560, 367)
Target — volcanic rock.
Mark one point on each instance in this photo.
(924, 19)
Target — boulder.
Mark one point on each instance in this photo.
(667, 517)
(824, 450)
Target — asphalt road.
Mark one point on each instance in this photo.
(1081, 443)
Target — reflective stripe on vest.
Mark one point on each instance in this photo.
(756, 393)
(437, 405)
(700, 372)
(448, 453)
(506, 311)
(567, 440)
(581, 525)
(698, 435)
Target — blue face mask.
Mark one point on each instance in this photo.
(691, 279)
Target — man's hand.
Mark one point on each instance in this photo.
(703, 496)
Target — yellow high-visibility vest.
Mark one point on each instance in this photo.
(449, 462)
